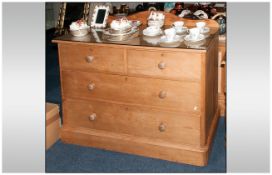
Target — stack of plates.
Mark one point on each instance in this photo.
(114, 35)
(121, 31)
(80, 32)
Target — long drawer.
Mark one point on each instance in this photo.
(167, 65)
(128, 119)
(182, 96)
(92, 58)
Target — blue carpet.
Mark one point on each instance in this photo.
(72, 158)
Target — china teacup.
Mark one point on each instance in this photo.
(160, 16)
(194, 33)
(153, 29)
(170, 34)
(178, 25)
(200, 26)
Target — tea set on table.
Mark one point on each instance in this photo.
(177, 33)
(123, 29)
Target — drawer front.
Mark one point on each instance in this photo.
(92, 58)
(182, 96)
(128, 119)
(168, 65)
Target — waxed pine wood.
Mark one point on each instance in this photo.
(174, 65)
(168, 113)
(52, 124)
(210, 86)
(222, 78)
(180, 96)
(132, 120)
(75, 57)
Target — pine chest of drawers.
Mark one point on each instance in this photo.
(133, 98)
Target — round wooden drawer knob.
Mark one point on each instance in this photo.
(223, 63)
(89, 59)
(162, 127)
(92, 117)
(163, 94)
(162, 65)
(91, 86)
(195, 108)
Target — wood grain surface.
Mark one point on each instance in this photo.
(92, 58)
(137, 121)
(167, 65)
(166, 94)
(152, 101)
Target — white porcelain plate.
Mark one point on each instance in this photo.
(200, 38)
(152, 40)
(177, 38)
(164, 42)
(151, 34)
(107, 32)
(184, 30)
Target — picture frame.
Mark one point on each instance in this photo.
(100, 16)
(61, 27)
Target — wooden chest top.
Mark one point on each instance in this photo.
(96, 37)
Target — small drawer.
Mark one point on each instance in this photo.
(168, 94)
(91, 58)
(138, 121)
(168, 65)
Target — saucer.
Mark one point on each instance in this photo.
(151, 40)
(200, 38)
(164, 42)
(151, 34)
(120, 37)
(177, 38)
(184, 30)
